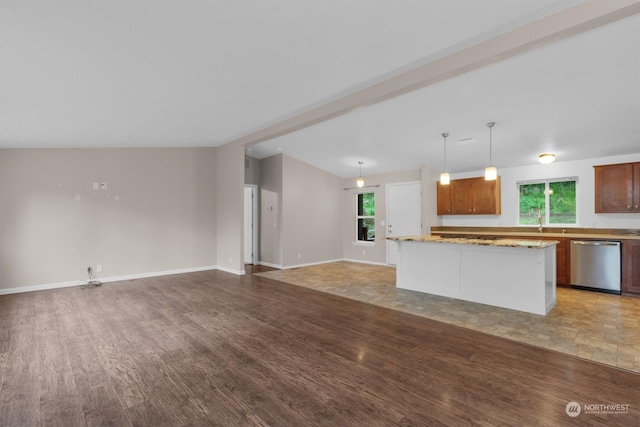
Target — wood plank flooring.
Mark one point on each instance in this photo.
(210, 348)
(595, 326)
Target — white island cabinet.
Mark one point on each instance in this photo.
(508, 273)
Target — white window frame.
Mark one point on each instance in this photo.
(547, 210)
(359, 217)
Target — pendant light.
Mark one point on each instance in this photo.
(490, 173)
(360, 180)
(444, 176)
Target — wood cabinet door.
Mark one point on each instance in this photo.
(562, 276)
(486, 197)
(444, 199)
(462, 196)
(614, 188)
(469, 196)
(631, 267)
(636, 187)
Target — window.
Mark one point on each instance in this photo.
(550, 202)
(365, 218)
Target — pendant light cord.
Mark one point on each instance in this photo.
(445, 135)
(490, 124)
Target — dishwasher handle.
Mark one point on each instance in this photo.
(599, 243)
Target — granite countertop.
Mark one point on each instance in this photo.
(546, 234)
(510, 243)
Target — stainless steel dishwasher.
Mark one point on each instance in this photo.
(595, 264)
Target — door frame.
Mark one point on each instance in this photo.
(255, 220)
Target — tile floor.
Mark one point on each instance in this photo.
(595, 326)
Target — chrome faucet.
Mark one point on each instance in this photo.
(539, 220)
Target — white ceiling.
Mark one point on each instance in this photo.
(170, 73)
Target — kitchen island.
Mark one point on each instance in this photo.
(509, 273)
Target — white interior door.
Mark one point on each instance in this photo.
(248, 225)
(404, 214)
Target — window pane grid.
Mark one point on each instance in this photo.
(562, 202)
(549, 202)
(365, 217)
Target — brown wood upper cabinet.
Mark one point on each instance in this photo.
(617, 188)
(470, 196)
(444, 199)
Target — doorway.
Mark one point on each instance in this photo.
(404, 214)
(251, 224)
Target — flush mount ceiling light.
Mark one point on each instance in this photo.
(360, 180)
(444, 176)
(546, 158)
(490, 173)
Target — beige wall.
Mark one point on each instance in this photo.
(251, 170)
(300, 213)
(430, 216)
(230, 207)
(311, 214)
(306, 211)
(271, 210)
(378, 252)
(179, 209)
(157, 214)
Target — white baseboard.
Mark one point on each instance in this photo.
(43, 287)
(156, 274)
(46, 286)
(288, 267)
(232, 271)
(312, 263)
(268, 264)
(369, 262)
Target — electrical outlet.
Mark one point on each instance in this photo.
(299, 256)
(99, 268)
(96, 186)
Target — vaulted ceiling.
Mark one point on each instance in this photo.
(296, 77)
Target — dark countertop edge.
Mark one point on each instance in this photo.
(547, 232)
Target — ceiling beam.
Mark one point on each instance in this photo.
(569, 22)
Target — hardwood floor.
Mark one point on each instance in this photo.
(210, 348)
(591, 325)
